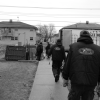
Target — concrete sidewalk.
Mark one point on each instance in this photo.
(44, 87)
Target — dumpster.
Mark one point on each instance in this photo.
(15, 53)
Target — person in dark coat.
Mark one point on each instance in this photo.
(58, 55)
(47, 49)
(39, 51)
(27, 54)
(82, 68)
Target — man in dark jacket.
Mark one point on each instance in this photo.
(82, 68)
(39, 51)
(47, 49)
(58, 55)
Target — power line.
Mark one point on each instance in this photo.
(34, 25)
(49, 21)
(50, 7)
(50, 15)
(54, 26)
(45, 16)
(45, 21)
(39, 20)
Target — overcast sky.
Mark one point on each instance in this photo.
(58, 12)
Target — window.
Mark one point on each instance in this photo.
(16, 38)
(31, 38)
(31, 29)
(9, 30)
(16, 29)
(12, 38)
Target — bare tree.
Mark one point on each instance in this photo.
(47, 31)
(51, 31)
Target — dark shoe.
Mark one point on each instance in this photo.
(56, 78)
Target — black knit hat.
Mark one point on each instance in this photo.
(59, 41)
(84, 33)
(85, 37)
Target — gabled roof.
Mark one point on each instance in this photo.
(15, 24)
(89, 26)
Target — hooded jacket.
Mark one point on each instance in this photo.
(83, 62)
(47, 48)
(39, 49)
(57, 51)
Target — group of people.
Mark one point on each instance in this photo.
(81, 66)
(39, 50)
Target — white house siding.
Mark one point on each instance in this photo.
(23, 36)
(71, 36)
(95, 34)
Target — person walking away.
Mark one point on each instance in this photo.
(39, 51)
(82, 68)
(58, 55)
(27, 54)
(47, 49)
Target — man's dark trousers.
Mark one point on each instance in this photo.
(56, 65)
(39, 57)
(84, 91)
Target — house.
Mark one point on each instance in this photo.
(72, 32)
(15, 32)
